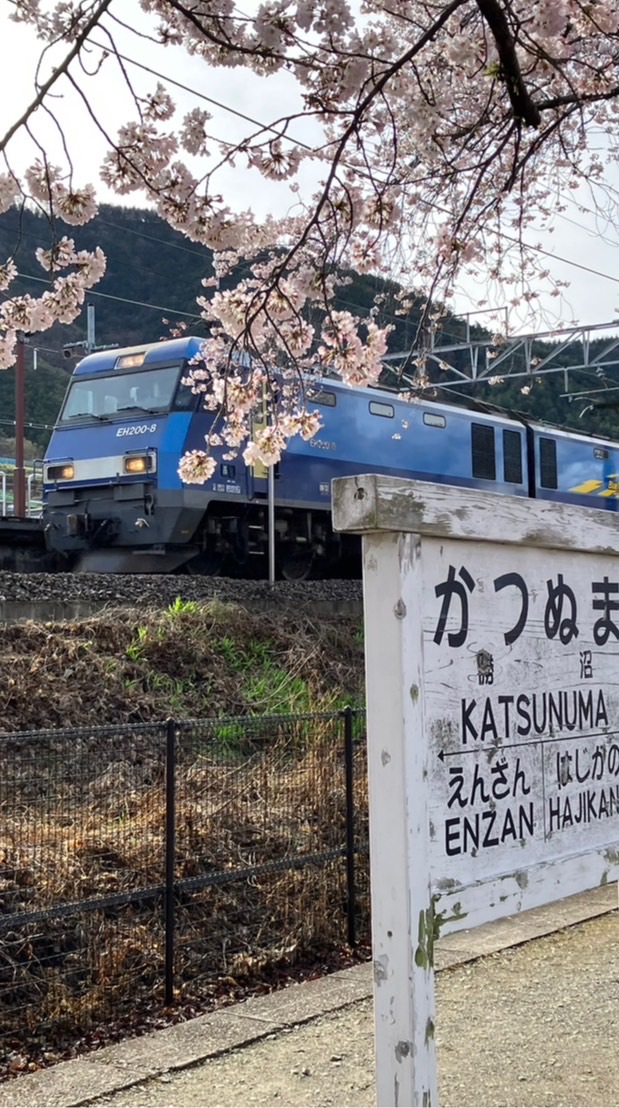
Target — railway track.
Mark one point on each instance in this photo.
(45, 596)
(32, 588)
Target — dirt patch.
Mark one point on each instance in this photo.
(532, 1026)
(189, 661)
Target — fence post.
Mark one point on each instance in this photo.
(170, 857)
(351, 897)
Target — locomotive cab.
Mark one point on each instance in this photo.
(114, 447)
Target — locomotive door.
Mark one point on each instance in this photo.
(258, 473)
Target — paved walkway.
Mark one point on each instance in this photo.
(535, 1023)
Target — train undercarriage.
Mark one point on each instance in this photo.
(111, 533)
(234, 544)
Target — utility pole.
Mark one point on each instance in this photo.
(88, 345)
(19, 492)
(90, 328)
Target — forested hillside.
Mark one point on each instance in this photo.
(152, 280)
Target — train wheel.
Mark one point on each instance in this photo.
(298, 566)
(206, 565)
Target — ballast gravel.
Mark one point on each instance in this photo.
(137, 589)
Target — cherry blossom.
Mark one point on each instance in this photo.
(193, 134)
(9, 191)
(62, 302)
(197, 467)
(443, 131)
(8, 273)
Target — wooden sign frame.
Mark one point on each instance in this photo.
(492, 643)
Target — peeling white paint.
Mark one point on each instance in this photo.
(381, 969)
(493, 701)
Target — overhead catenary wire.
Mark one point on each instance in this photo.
(210, 100)
(26, 234)
(120, 299)
(305, 146)
(296, 142)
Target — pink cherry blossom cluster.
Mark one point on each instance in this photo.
(64, 299)
(250, 418)
(444, 132)
(357, 359)
(196, 467)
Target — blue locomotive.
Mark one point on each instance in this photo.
(114, 501)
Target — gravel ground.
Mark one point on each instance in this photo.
(533, 1025)
(164, 588)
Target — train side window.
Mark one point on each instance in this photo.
(386, 410)
(431, 419)
(185, 400)
(512, 457)
(483, 453)
(548, 463)
(321, 396)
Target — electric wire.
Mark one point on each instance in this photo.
(120, 299)
(302, 145)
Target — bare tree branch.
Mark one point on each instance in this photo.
(58, 72)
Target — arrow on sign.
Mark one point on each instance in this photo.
(493, 749)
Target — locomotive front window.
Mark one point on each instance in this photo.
(105, 397)
(186, 400)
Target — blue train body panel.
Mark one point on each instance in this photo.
(576, 469)
(114, 499)
(365, 430)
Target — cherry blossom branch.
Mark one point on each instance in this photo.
(58, 72)
(523, 107)
(448, 128)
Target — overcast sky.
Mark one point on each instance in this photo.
(579, 238)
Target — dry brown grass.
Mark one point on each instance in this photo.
(128, 666)
(84, 817)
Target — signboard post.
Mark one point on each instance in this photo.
(492, 650)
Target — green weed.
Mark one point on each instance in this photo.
(173, 689)
(231, 741)
(137, 646)
(244, 656)
(275, 691)
(180, 607)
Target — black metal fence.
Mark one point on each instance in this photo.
(149, 865)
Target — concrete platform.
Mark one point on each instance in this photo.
(173, 1049)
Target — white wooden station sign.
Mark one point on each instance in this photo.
(492, 656)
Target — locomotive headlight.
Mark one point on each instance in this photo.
(127, 361)
(138, 463)
(60, 473)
